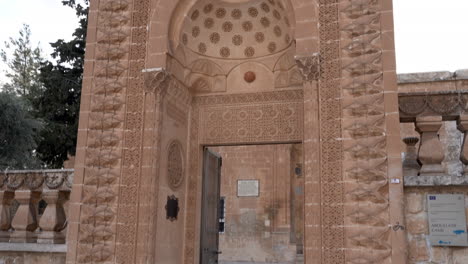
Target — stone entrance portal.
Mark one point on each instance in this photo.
(165, 78)
(262, 204)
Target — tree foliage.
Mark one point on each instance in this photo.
(23, 62)
(17, 134)
(59, 101)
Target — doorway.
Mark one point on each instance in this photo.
(260, 208)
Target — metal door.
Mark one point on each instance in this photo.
(210, 203)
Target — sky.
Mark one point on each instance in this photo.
(430, 35)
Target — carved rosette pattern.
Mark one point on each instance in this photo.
(366, 206)
(201, 106)
(331, 149)
(97, 233)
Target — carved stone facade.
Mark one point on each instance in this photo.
(245, 72)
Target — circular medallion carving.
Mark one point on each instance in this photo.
(236, 14)
(175, 165)
(195, 15)
(265, 22)
(272, 47)
(214, 37)
(249, 76)
(259, 37)
(195, 31)
(227, 26)
(253, 12)
(265, 7)
(249, 52)
(207, 9)
(224, 52)
(202, 48)
(277, 31)
(237, 40)
(209, 22)
(247, 26)
(220, 12)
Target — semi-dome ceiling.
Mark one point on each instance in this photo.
(237, 30)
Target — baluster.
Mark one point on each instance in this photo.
(462, 125)
(411, 166)
(53, 220)
(431, 152)
(25, 220)
(5, 217)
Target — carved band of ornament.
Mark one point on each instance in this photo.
(440, 103)
(247, 98)
(309, 66)
(156, 81)
(37, 180)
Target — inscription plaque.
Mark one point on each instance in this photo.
(447, 219)
(248, 188)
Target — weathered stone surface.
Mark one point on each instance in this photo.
(425, 77)
(418, 249)
(417, 224)
(414, 202)
(461, 74)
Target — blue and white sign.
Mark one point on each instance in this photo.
(447, 219)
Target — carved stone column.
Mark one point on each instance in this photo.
(5, 217)
(53, 220)
(25, 219)
(310, 69)
(462, 124)
(431, 152)
(411, 166)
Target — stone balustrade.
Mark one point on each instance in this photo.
(428, 111)
(33, 206)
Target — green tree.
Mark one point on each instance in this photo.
(23, 62)
(17, 134)
(59, 102)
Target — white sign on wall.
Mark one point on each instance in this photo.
(447, 219)
(248, 188)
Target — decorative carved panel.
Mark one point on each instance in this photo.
(175, 165)
(275, 122)
(448, 104)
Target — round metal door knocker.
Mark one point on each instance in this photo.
(175, 165)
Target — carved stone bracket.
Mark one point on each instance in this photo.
(157, 80)
(309, 66)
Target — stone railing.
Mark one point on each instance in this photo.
(33, 206)
(428, 111)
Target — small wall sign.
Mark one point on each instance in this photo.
(248, 188)
(447, 220)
